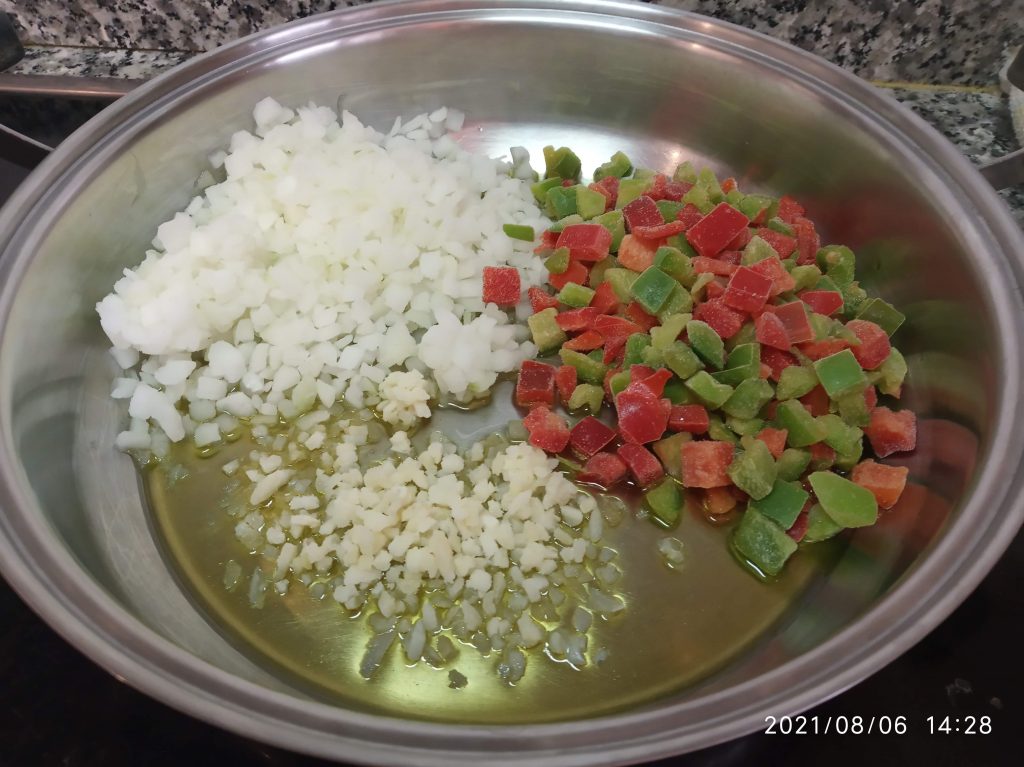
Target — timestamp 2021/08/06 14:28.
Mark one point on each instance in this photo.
(876, 725)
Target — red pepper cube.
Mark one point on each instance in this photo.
(674, 190)
(607, 383)
(541, 300)
(782, 281)
(585, 342)
(715, 288)
(769, 331)
(783, 244)
(501, 285)
(590, 436)
(609, 187)
(645, 468)
(826, 302)
(689, 418)
(576, 319)
(798, 529)
(789, 209)
(565, 382)
(705, 463)
(826, 347)
(643, 211)
(719, 500)
(741, 240)
(776, 360)
(703, 265)
(886, 483)
(653, 381)
(615, 327)
(874, 345)
(642, 418)
(728, 185)
(636, 253)
(689, 215)
(724, 320)
(577, 272)
(547, 430)
(637, 313)
(605, 301)
(586, 242)
(891, 431)
(657, 189)
(816, 401)
(717, 229)
(775, 439)
(807, 241)
(734, 257)
(747, 290)
(660, 231)
(547, 241)
(822, 456)
(535, 384)
(604, 469)
(870, 397)
(797, 323)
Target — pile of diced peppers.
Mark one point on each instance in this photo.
(742, 360)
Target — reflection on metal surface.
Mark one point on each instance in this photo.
(67, 86)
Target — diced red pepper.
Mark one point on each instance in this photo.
(874, 343)
(636, 313)
(789, 209)
(870, 397)
(740, 241)
(642, 418)
(609, 187)
(585, 342)
(797, 323)
(782, 281)
(775, 439)
(567, 182)
(639, 372)
(826, 302)
(674, 190)
(653, 381)
(547, 241)
(541, 299)
(891, 431)
(689, 215)
(565, 382)
(605, 301)
(715, 288)
(641, 212)
(765, 372)
(724, 320)
(590, 436)
(886, 483)
(826, 347)
(747, 290)
(712, 266)
(734, 257)
(728, 185)
(577, 272)
(783, 244)
(657, 190)
(501, 285)
(705, 463)
(576, 319)
(690, 418)
(547, 430)
(717, 229)
(645, 468)
(807, 241)
(777, 360)
(612, 372)
(604, 469)
(535, 384)
(636, 253)
(660, 231)
(816, 401)
(586, 242)
(822, 456)
(719, 500)
(769, 331)
(615, 331)
(798, 529)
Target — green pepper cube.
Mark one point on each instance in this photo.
(707, 181)
(820, 526)
(669, 209)
(744, 427)
(560, 201)
(698, 197)
(560, 224)
(853, 408)
(589, 202)
(709, 392)
(635, 346)
(783, 504)
(619, 166)
(854, 297)
(839, 435)
(795, 381)
(762, 543)
(519, 232)
(838, 262)
(718, 431)
(780, 226)
(652, 289)
(586, 396)
(685, 172)
(753, 205)
(891, 373)
(545, 331)
(747, 334)
(575, 295)
(681, 360)
(700, 282)
(670, 452)
(663, 336)
(734, 197)
(540, 188)
(757, 250)
(558, 261)
(793, 463)
(748, 398)
(848, 504)
(622, 282)
(588, 370)
(614, 222)
(676, 391)
(753, 471)
(744, 362)
(664, 502)
(674, 263)
(840, 373)
(680, 243)
(619, 381)
(598, 270)
(679, 300)
(561, 162)
(802, 428)
(826, 283)
(882, 314)
(652, 358)
(706, 342)
(805, 276)
(630, 189)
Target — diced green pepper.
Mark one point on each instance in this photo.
(757, 250)
(820, 526)
(635, 346)
(795, 381)
(560, 224)
(891, 373)
(848, 504)
(679, 300)
(709, 392)
(762, 543)
(560, 201)
(652, 358)
(558, 261)
(575, 295)
(706, 342)
(753, 471)
(619, 166)
(820, 324)
(545, 331)
(826, 283)
(622, 282)
(681, 360)
(665, 502)
(669, 209)
(630, 189)
(708, 181)
(588, 370)
(805, 276)
(676, 391)
(680, 243)
(519, 232)
(802, 428)
(685, 172)
(854, 297)
(793, 463)
(783, 504)
(744, 362)
(561, 162)
(614, 223)
(752, 205)
(645, 173)
(748, 398)
(780, 226)
(744, 427)
(598, 270)
(663, 336)
(589, 202)
(589, 396)
(840, 373)
(669, 452)
(838, 262)
(853, 408)
(674, 263)
(718, 431)
(540, 188)
(882, 313)
(698, 197)
(734, 197)
(747, 334)
(619, 381)
(701, 282)
(839, 435)
(652, 289)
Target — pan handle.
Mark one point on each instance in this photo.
(15, 147)
(1005, 172)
